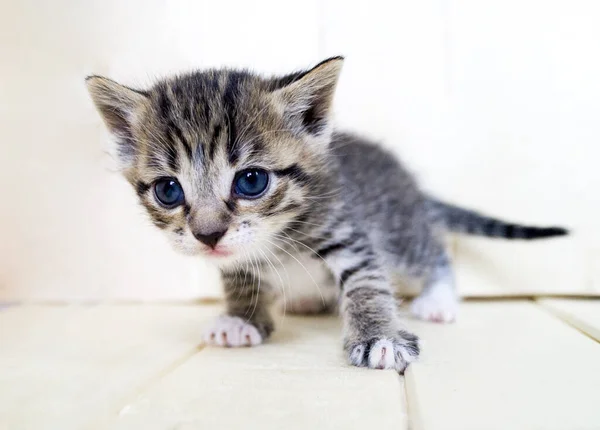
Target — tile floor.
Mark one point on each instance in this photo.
(515, 364)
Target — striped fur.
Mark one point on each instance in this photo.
(334, 203)
(459, 220)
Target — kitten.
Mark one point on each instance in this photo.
(247, 171)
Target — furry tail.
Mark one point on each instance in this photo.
(460, 220)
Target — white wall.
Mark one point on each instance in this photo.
(493, 104)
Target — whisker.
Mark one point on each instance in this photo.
(257, 290)
(309, 223)
(251, 261)
(307, 234)
(247, 259)
(287, 275)
(300, 243)
(280, 279)
(303, 266)
(306, 246)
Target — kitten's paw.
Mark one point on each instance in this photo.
(232, 332)
(386, 352)
(437, 306)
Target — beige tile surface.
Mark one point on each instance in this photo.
(198, 396)
(68, 367)
(141, 367)
(583, 314)
(299, 380)
(504, 365)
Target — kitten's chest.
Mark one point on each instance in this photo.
(301, 277)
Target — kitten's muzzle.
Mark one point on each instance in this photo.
(210, 239)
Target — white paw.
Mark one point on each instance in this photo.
(232, 332)
(386, 353)
(437, 306)
(381, 355)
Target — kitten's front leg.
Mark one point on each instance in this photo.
(373, 335)
(247, 321)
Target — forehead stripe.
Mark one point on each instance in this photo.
(173, 130)
(188, 149)
(216, 138)
(172, 156)
(229, 103)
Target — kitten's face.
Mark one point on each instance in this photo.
(223, 160)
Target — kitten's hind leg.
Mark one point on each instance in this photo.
(438, 302)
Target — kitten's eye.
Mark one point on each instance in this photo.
(250, 183)
(168, 192)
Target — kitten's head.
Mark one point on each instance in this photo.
(223, 160)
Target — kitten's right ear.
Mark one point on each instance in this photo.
(306, 100)
(119, 107)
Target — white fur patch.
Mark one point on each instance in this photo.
(232, 332)
(305, 286)
(385, 353)
(382, 355)
(437, 304)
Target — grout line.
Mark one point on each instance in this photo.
(217, 301)
(413, 413)
(567, 296)
(8, 305)
(567, 319)
(530, 297)
(154, 379)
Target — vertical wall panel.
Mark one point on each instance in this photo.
(493, 105)
(526, 99)
(70, 226)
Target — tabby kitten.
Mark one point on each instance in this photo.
(247, 171)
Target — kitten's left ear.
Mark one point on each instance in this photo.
(119, 107)
(307, 100)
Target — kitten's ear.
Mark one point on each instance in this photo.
(119, 107)
(307, 99)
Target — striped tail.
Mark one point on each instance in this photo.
(465, 221)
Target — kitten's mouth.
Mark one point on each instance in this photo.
(218, 252)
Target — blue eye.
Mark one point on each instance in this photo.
(168, 192)
(250, 183)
